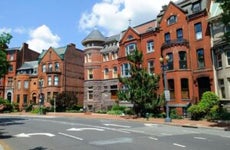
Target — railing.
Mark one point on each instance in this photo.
(175, 42)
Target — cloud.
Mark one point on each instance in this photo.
(5, 29)
(112, 16)
(42, 38)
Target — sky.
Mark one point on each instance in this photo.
(55, 23)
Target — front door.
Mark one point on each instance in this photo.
(203, 85)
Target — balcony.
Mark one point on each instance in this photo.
(53, 71)
(175, 42)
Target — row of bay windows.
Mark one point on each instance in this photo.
(220, 57)
(105, 56)
(51, 81)
(179, 33)
(51, 67)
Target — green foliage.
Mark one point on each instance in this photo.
(117, 110)
(4, 40)
(225, 5)
(174, 114)
(207, 107)
(6, 105)
(65, 101)
(141, 86)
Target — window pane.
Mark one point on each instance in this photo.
(167, 37)
(150, 46)
(179, 34)
(200, 58)
(184, 89)
(198, 31)
(171, 88)
(170, 61)
(183, 60)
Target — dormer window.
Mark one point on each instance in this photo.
(196, 7)
(172, 19)
(130, 37)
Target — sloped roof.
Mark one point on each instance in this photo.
(28, 65)
(112, 38)
(61, 51)
(95, 35)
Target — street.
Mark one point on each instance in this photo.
(70, 133)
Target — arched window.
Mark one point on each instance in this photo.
(172, 19)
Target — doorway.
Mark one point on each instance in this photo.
(203, 85)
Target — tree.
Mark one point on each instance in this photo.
(66, 100)
(225, 5)
(140, 88)
(4, 40)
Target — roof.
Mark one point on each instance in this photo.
(61, 51)
(112, 38)
(28, 65)
(13, 48)
(95, 35)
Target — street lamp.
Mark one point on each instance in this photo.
(40, 96)
(164, 66)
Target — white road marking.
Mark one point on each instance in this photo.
(199, 138)
(117, 125)
(113, 141)
(179, 145)
(31, 134)
(150, 125)
(152, 138)
(71, 136)
(167, 134)
(226, 136)
(82, 129)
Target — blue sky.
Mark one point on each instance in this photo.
(45, 23)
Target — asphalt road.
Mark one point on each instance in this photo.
(59, 133)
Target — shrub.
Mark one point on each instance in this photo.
(174, 114)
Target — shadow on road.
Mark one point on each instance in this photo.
(7, 122)
(38, 148)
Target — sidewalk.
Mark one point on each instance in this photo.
(175, 122)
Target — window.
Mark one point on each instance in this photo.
(49, 80)
(184, 88)
(167, 37)
(43, 68)
(221, 88)
(10, 82)
(106, 73)
(130, 37)
(113, 91)
(228, 57)
(115, 72)
(150, 67)
(41, 83)
(171, 88)
(182, 60)
(48, 96)
(11, 56)
(10, 68)
(196, 7)
(19, 85)
(179, 33)
(200, 58)
(106, 57)
(90, 74)
(88, 57)
(56, 65)
(90, 93)
(125, 70)
(170, 61)
(56, 80)
(114, 55)
(130, 48)
(18, 98)
(26, 84)
(218, 60)
(25, 98)
(198, 31)
(50, 67)
(150, 46)
(172, 19)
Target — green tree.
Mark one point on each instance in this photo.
(66, 100)
(140, 88)
(225, 5)
(4, 40)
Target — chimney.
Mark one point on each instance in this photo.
(72, 44)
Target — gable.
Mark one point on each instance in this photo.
(129, 35)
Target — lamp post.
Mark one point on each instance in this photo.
(164, 66)
(40, 96)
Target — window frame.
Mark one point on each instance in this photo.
(129, 48)
(151, 68)
(183, 62)
(198, 31)
(150, 46)
(185, 88)
(198, 60)
(172, 20)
